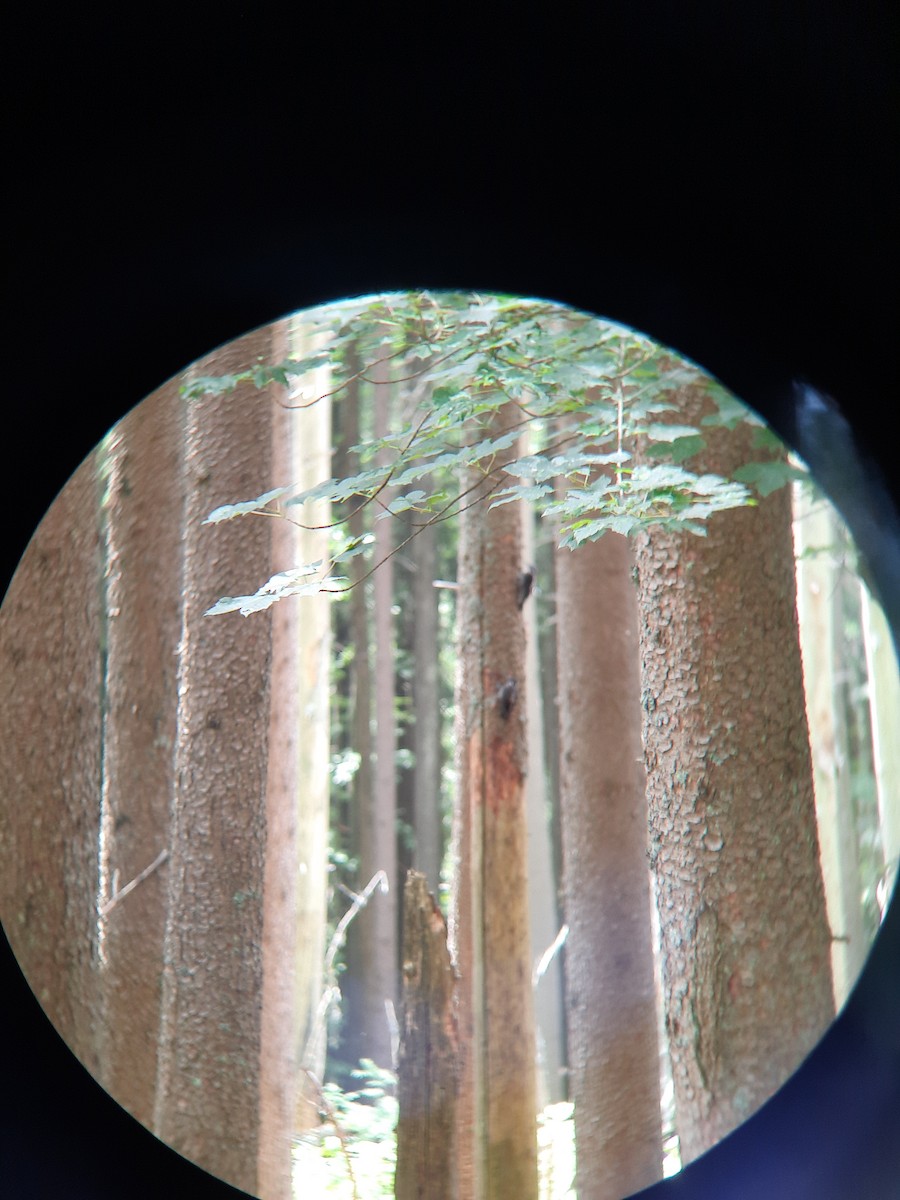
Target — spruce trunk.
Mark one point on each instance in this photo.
(745, 939)
(497, 1113)
(611, 994)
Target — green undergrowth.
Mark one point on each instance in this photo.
(352, 1155)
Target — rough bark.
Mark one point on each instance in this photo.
(207, 1101)
(819, 603)
(496, 1127)
(543, 907)
(377, 924)
(353, 1027)
(884, 706)
(428, 1064)
(294, 894)
(745, 939)
(143, 513)
(50, 761)
(279, 1033)
(611, 995)
(427, 722)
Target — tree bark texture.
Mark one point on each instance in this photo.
(51, 678)
(745, 940)
(353, 1035)
(819, 604)
(427, 722)
(497, 1113)
(429, 1048)
(143, 475)
(207, 1100)
(377, 924)
(297, 791)
(543, 902)
(884, 708)
(279, 1032)
(611, 994)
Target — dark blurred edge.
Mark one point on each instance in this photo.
(143, 237)
(830, 1132)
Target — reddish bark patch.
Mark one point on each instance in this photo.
(503, 777)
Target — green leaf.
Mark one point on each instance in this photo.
(227, 512)
(730, 412)
(358, 546)
(530, 493)
(401, 503)
(767, 477)
(677, 451)
(659, 432)
(282, 584)
(212, 385)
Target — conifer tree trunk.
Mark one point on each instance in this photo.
(376, 925)
(819, 603)
(208, 1081)
(51, 702)
(428, 1066)
(297, 790)
(354, 1037)
(884, 708)
(544, 909)
(496, 1129)
(143, 473)
(611, 994)
(745, 939)
(427, 723)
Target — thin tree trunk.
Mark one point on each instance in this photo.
(294, 912)
(207, 1101)
(353, 1033)
(544, 918)
(745, 939)
(51, 761)
(427, 717)
(377, 925)
(884, 707)
(144, 489)
(428, 1066)
(819, 597)
(611, 994)
(497, 1113)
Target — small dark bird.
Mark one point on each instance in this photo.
(506, 697)
(524, 584)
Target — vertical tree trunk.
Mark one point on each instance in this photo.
(884, 706)
(427, 717)
(543, 906)
(297, 794)
(144, 508)
(207, 1101)
(427, 1072)
(611, 995)
(377, 924)
(50, 761)
(279, 1028)
(496, 1119)
(819, 598)
(745, 939)
(353, 1032)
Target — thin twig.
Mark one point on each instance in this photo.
(332, 991)
(548, 956)
(110, 904)
(326, 1107)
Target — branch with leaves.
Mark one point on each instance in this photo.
(586, 390)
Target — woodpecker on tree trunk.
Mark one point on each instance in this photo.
(506, 697)
(524, 584)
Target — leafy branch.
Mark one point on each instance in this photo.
(587, 390)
